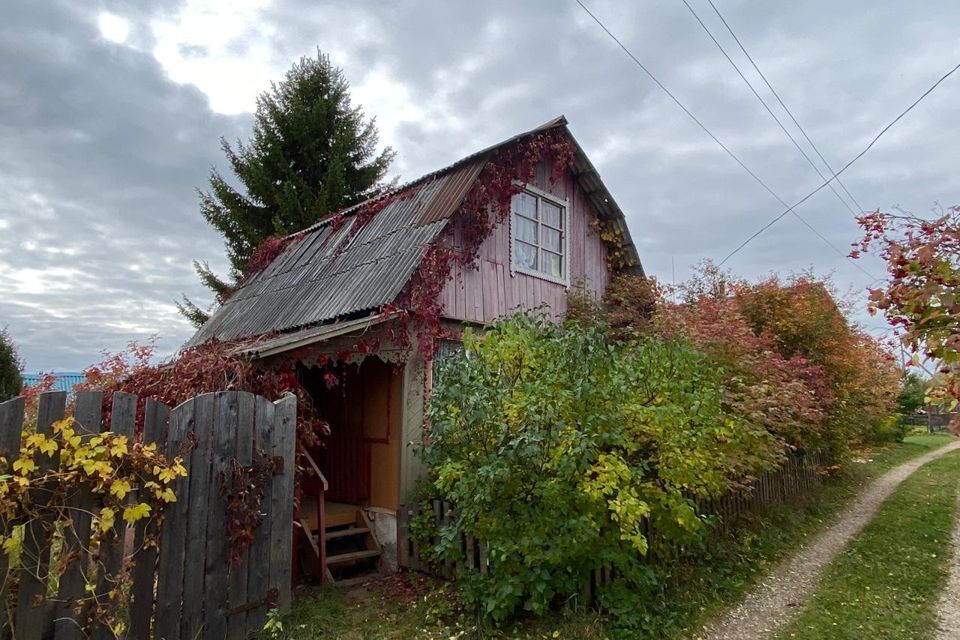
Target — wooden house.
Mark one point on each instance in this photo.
(345, 299)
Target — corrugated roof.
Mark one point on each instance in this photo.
(63, 380)
(316, 280)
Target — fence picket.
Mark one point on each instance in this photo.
(87, 415)
(215, 580)
(11, 426)
(237, 581)
(33, 612)
(258, 579)
(173, 533)
(156, 423)
(197, 533)
(123, 419)
(281, 499)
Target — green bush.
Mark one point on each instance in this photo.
(562, 451)
(10, 380)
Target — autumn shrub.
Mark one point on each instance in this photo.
(804, 320)
(210, 367)
(564, 451)
(919, 298)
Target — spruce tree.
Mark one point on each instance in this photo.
(10, 380)
(311, 152)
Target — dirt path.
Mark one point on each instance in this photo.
(948, 610)
(782, 593)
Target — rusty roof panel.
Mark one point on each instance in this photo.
(454, 190)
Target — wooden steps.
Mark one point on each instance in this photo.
(352, 549)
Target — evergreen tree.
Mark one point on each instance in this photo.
(312, 152)
(10, 380)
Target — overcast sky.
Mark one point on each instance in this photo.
(111, 115)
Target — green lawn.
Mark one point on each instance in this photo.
(403, 607)
(887, 582)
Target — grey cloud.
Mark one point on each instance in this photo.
(100, 150)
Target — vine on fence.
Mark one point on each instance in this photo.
(130, 480)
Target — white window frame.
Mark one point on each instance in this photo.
(564, 205)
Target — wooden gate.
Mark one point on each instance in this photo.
(186, 586)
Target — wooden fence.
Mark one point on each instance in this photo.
(185, 587)
(796, 477)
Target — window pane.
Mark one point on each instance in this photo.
(525, 204)
(552, 214)
(553, 264)
(525, 255)
(525, 230)
(551, 239)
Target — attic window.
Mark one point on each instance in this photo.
(539, 235)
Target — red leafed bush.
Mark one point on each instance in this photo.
(210, 367)
(791, 361)
(920, 298)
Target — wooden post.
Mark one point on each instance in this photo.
(155, 427)
(197, 532)
(237, 586)
(281, 502)
(33, 612)
(88, 411)
(11, 426)
(170, 564)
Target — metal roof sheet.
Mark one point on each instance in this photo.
(331, 273)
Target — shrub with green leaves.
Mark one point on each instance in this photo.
(563, 452)
(10, 366)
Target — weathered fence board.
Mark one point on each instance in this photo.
(88, 414)
(258, 582)
(156, 424)
(172, 551)
(11, 424)
(182, 584)
(33, 611)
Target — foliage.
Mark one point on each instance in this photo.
(129, 480)
(562, 450)
(920, 297)
(911, 399)
(803, 318)
(10, 368)
(311, 152)
(207, 368)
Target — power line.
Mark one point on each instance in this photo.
(766, 106)
(782, 104)
(712, 136)
(845, 167)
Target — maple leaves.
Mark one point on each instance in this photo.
(920, 299)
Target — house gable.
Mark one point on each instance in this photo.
(497, 285)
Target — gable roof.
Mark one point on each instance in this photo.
(315, 280)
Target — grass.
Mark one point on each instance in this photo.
(405, 607)
(887, 582)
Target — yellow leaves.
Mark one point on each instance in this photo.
(168, 495)
(120, 488)
(24, 465)
(118, 446)
(11, 544)
(171, 473)
(136, 512)
(108, 518)
(40, 442)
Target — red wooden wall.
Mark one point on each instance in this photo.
(490, 290)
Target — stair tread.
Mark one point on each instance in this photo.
(345, 533)
(353, 555)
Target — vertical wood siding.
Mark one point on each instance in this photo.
(490, 290)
